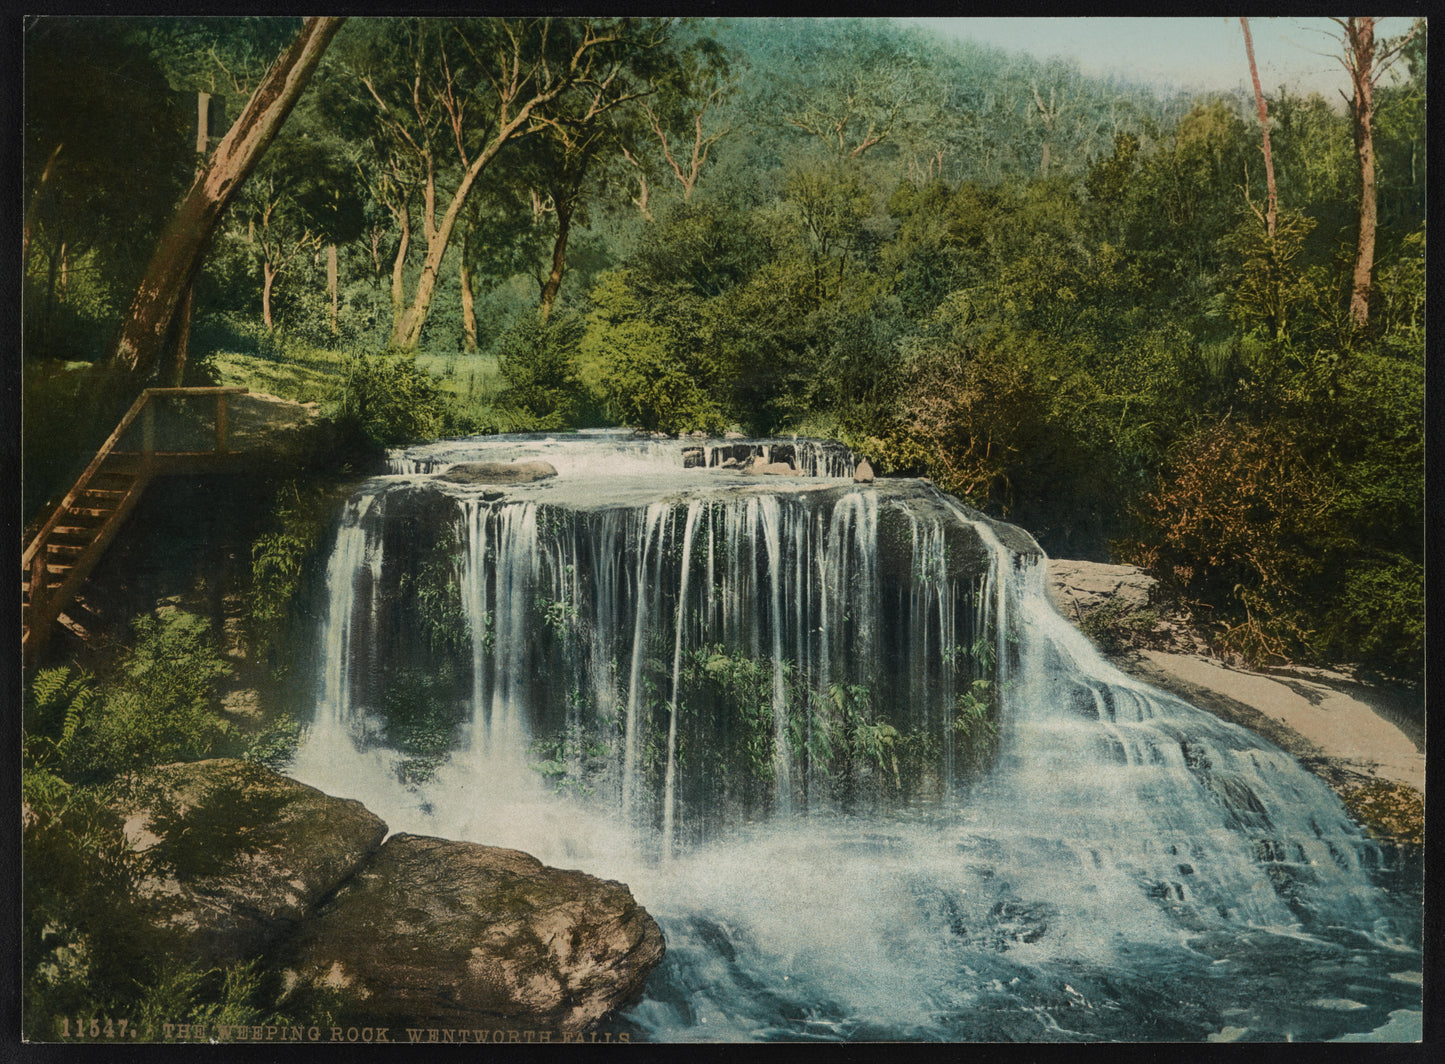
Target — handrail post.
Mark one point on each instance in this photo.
(220, 422)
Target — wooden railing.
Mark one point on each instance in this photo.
(73, 561)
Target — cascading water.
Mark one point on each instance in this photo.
(839, 744)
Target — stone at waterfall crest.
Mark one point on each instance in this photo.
(498, 472)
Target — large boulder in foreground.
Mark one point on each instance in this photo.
(498, 472)
(233, 856)
(457, 934)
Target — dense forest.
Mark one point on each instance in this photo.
(1130, 323)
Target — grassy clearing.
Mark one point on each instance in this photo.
(472, 383)
(473, 379)
(311, 376)
(315, 374)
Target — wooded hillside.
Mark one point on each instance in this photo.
(1076, 303)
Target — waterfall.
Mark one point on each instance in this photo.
(842, 746)
(352, 573)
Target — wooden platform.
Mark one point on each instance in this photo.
(62, 553)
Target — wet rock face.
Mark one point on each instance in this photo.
(498, 472)
(234, 855)
(459, 934)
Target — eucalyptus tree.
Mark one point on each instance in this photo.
(868, 88)
(1366, 61)
(451, 94)
(303, 197)
(692, 113)
(183, 244)
(1400, 127)
(832, 200)
(566, 170)
(1312, 147)
(673, 117)
(1190, 187)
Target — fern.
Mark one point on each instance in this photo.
(49, 684)
(83, 700)
(62, 700)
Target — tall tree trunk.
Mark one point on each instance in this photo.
(406, 329)
(181, 342)
(183, 244)
(469, 305)
(34, 209)
(52, 278)
(268, 281)
(1273, 209)
(398, 264)
(1361, 44)
(1271, 215)
(559, 259)
(376, 234)
(333, 287)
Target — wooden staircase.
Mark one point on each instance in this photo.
(61, 555)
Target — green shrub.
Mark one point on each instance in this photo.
(1239, 524)
(157, 707)
(1379, 620)
(78, 877)
(643, 378)
(284, 559)
(538, 360)
(161, 706)
(388, 400)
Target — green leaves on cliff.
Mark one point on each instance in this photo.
(156, 703)
(158, 707)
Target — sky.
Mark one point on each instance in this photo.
(1195, 54)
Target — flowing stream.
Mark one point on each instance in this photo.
(840, 745)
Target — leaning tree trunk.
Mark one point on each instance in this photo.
(182, 245)
(398, 262)
(407, 326)
(1273, 209)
